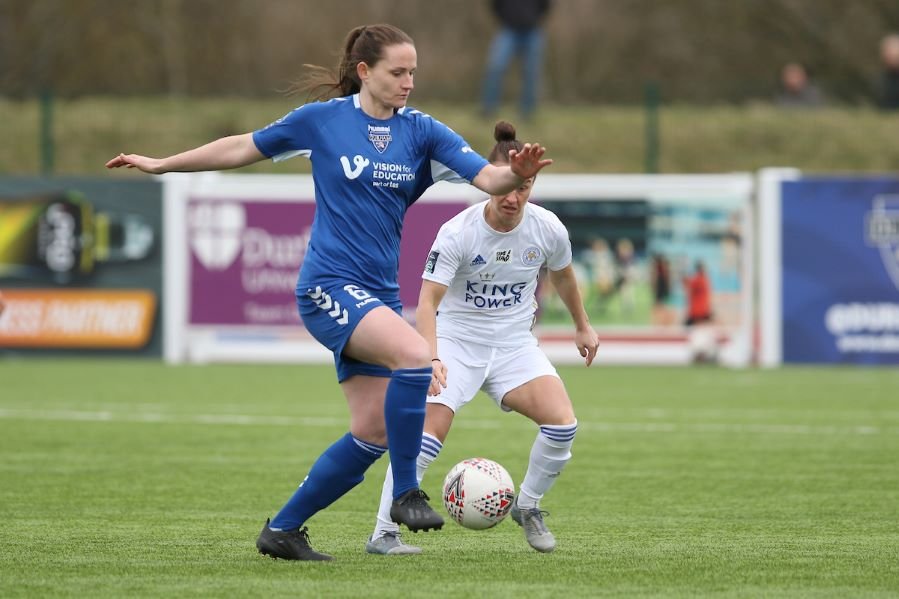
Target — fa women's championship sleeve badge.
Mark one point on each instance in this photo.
(431, 264)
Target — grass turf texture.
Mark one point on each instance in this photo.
(129, 478)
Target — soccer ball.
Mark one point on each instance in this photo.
(478, 493)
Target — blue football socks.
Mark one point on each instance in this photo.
(340, 468)
(404, 413)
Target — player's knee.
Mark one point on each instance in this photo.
(369, 426)
(370, 434)
(413, 354)
(560, 415)
(559, 435)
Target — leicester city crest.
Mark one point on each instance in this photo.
(531, 256)
(882, 232)
(379, 137)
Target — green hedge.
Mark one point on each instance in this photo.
(581, 139)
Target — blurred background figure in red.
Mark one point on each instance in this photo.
(702, 338)
(699, 296)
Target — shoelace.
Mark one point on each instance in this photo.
(419, 497)
(303, 533)
(535, 519)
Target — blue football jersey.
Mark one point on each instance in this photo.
(367, 172)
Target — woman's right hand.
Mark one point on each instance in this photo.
(143, 163)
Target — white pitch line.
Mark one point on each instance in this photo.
(166, 418)
(609, 427)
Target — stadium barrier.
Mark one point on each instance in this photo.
(233, 244)
(829, 268)
(80, 266)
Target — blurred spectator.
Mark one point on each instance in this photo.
(889, 85)
(660, 278)
(600, 263)
(702, 339)
(699, 296)
(625, 262)
(796, 90)
(521, 33)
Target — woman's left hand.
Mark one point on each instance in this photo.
(438, 378)
(587, 342)
(529, 161)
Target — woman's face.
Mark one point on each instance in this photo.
(390, 80)
(508, 209)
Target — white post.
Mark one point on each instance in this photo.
(175, 188)
(770, 263)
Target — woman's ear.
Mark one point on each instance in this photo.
(362, 71)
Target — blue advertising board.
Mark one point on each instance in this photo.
(840, 252)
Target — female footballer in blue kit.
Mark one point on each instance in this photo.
(372, 157)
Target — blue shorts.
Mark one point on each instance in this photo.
(331, 311)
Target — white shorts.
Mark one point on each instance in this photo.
(495, 370)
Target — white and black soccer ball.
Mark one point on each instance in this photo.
(478, 493)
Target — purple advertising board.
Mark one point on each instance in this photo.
(245, 256)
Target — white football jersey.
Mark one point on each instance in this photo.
(491, 277)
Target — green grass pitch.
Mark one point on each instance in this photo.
(129, 478)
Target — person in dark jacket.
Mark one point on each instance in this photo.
(796, 89)
(889, 58)
(520, 33)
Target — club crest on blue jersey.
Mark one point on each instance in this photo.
(531, 256)
(380, 137)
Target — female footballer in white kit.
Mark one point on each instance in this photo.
(476, 309)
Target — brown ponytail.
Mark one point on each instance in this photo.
(366, 44)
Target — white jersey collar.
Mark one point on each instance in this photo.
(483, 220)
(357, 104)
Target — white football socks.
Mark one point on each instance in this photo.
(430, 448)
(549, 454)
